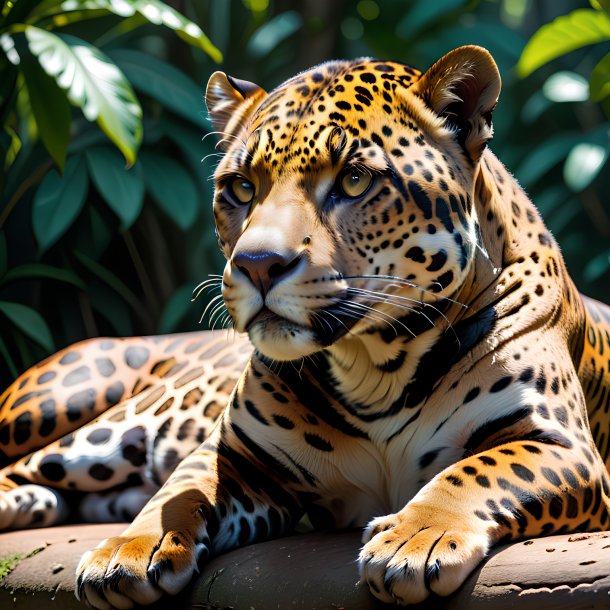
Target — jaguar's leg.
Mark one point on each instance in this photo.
(215, 500)
(28, 506)
(113, 506)
(517, 489)
(135, 443)
(77, 384)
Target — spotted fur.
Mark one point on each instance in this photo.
(423, 365)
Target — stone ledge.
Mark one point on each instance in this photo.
(318, 572)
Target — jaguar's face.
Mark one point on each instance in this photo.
(343, 202)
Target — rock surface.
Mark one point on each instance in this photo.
(317, 572)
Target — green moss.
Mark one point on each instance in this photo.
(8, 563)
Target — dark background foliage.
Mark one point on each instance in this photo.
(75, 262)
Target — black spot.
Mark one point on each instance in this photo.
(283, 422)
(416, 254)
(100, 472)
(428, 458)
(135, 357)
(114, 393)
(502, 383)
(23, 428)
(51, 467)
(572, 507)
(133, 446)
(583, 471)
(105, 366)
(49, 419)
(482, 480)
(99, 436)
(472, 394)
(488, 461)
(454, 480)
(421, 199)
(437, 260)
(367, 77)
(570, 478)
(556, 507)
(85, 399)
(69, 358)
(534, 507)
(82, 373)
(253, 410)
(522, 472)
(45, 377)
(317, 441)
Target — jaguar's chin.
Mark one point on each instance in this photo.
(281, 339)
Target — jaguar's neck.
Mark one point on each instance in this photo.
(374, 371)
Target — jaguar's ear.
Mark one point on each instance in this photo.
(463, 88)
(230, 102)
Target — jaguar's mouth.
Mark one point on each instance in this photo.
(280, 338)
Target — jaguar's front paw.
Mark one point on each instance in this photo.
(415, 552)
(123, 571)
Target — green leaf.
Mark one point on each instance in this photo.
(58, 201)
(178, 306)
(566, 33)
(154, 11)
(597, 266)
(94, 234)
(121, 188)
(50, 108)
(599, 81)
(545, 156)
(583, 164)
(272, 33)
(601, 5)
(109, 278)
(92, 83)
(39, 271)
(10, 363)
(169, 86)
(420, 15)
(29, 322)
(566, 86)
(172, 188)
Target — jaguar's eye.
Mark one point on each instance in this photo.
(242, 190)
(355, 181)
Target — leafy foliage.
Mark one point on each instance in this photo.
(105, 217)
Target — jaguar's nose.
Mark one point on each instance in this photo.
(266, 268)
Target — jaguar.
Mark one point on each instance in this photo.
(418, 362)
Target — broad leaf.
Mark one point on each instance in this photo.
(583, 164)
(121, 188)
(29, 322)
(597, 266)
(178, 306)
(10, 363)
(169, 86)
(545, 156)
(421, 15)
(272, 33)
(109, 278)
(38, 271)
(58, 201)
(566, 33)
(172, 188)
(93, 83)
(599, 81)
(50, 108)
(154, 11)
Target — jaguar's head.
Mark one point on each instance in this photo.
(344, 198)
